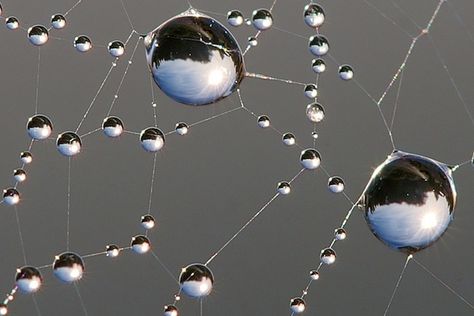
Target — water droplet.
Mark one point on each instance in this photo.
(112, 126)
(297, 305)
(318, 45)
(315, 112)
(171, 310)
(82, 43)
(38, 35)
(39, 127)
(346, 72)
(19, 175)
(12, 23)
(311, 91)
(310, 159)
(235, 18)
(196, 280)
(318, 66)
(340, 234)
(284, 188)
(58, 21)
(68, 267)
(28, 279)
(328, 256)
(148, 221)
(26, 157)
(289, 139)
(140, 244)
(182, 128)
(69, 144)
(116, 48)
(262, 19)
(11, 196)
(263, 121)
(313, 15)
(314, 275)
(336, 184)
(252, 41)
(152, 139)
(112, 251)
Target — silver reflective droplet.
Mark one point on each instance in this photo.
(28, 279)
(284, 188)
(315, 112)
(182, 128)
(39, 127)
(311, 91)
(148, 221)
(340, 234)
(58, 21)
(171, 310)
(19, 175)
(314, 275)
(140, 244)
(112, 126)
(116, 48)
(263, 121)
(82, 43)
(346, 72)
(11, 196)
(310, 159)
(297, 305)
(318, 45)
(112, 251)
(69, 144)
(313, 15)
(235, 18)
(68, 267)
(38, 35)
(152, 139)
(288, 139)
(26, 157)
(252, 41)
(12, 23)
(318, 66)
(196, 280)
(336, 184)
(328, 256)
(262, 19)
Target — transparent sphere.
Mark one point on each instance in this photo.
(3, 309)
(262, 19)
(252, 41)
(39, 127)
(152, 139)
(116, 48)
(112, 251)
(288, 139)
(197, 52)
(235, 18)
(313, 15)
(318, 45)
(297, 305)
(148, 221)
(196, 280)
(284, 188)
(58, 21)
(26, 157)
(140, 244)
(314, 135)
(38, 35)
(19, 175)
(336, 184)
(311, 91)
(310, 159)
(315, 112)
(318, 66)
(82, 43)
(182, 128)
(28, 279)
(340, 234)
(112, 126)
(263, 121)
(69, 144)
(11, 196)
(346, 72)
(171, 310)
(314, 275)
(68, 267)
(328, 256)
(409, 201)
(12, 23)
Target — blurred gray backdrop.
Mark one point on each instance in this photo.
(210, 182)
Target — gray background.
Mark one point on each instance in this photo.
(211, 181)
